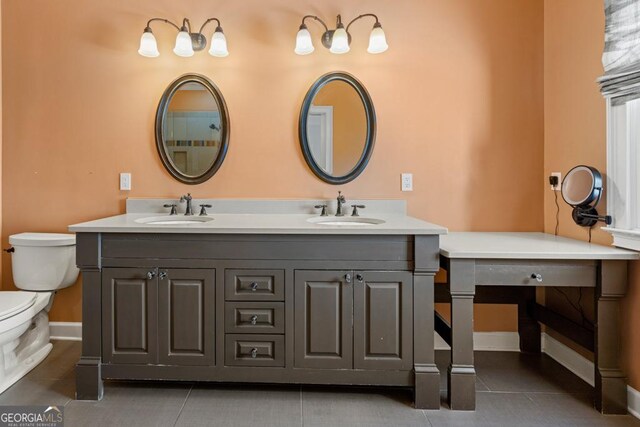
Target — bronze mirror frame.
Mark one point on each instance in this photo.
(224, 124)
(371, 127)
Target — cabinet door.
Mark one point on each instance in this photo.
(186, 316)
(383, 327)
(323, 319)
(129, 298)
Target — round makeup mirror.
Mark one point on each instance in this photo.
(337, 128)
(582, 190)
(192, 129)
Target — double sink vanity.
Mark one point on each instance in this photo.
(281, 296)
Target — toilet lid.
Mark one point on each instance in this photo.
(14, 302)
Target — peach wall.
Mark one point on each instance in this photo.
(459, 100)
(575, 129)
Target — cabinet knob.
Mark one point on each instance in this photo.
(163, 275)
(254, 286)
(347, 278)
(537, 276)
(151, 275)
(254, 353)
(359, 278)
(254, 319)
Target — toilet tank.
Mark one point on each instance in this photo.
(43, 261)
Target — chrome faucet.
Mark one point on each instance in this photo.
(341, 201)
(189, 210)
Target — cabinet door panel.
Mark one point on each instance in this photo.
(129, 316)
(186, 316)
(323, 319)
(383, 327)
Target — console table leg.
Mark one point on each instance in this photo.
(610, 381)
(461, 375)
(528, 327)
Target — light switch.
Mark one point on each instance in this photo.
(125, 181)
(407, 182)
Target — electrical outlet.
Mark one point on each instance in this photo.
(558, 183)
(125, 181)
(407, 182)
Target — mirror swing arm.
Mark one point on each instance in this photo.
(584, 212)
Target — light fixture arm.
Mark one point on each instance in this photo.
(166, 21)
(377, 23)
(210, 20)
(315, 18)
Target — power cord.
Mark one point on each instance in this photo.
(577, 307)
(555, 193)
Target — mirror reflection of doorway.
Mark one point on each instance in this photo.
(320, 136)
(180, 160)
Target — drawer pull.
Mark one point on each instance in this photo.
(538, 277)
(254, 286)
(254, 319)
(347, 278)
(254, 353)
(151, 275)
(163, 275)
(359, 278)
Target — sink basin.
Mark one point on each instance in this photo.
(345, 221)
(174, 220)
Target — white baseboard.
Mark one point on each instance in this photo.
(633, 401)
(487, 341)
(70, 331)
(570, 359)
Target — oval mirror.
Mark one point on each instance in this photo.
(192, 129)
(337, 128)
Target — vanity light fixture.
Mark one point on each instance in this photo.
(338, 40)
(187, 42)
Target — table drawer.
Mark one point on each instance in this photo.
(254, 285)
(254, 350)
(548, 273)
(254, 317)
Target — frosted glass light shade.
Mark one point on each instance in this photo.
(340, 41)
(304, 45)
(148, 45)
(377, 40)
(218, 44)
(183, 46)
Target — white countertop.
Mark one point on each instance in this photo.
(280, 223)
(526, 246)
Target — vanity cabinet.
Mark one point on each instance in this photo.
(306, 309)
(158, 316)
(353, 319)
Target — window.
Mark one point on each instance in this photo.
(623, 162)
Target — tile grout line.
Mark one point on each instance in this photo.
(424, 413)
(301, 409)
(183, 405)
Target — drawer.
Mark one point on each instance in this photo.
(254, 317)
(254, 285)
(254, 350)
(551, 273)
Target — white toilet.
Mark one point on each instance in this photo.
(41, 263)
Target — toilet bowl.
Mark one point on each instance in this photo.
(41, 264)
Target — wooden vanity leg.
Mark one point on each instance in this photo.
(461, 375)
(528, 327)
(427, 375)
(610, 381)
(88, 374)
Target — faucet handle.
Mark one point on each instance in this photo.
(173, 206)
(203, 209)
(355, 209)
(341, 197)
(324, 209)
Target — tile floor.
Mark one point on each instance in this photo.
(513, 390)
